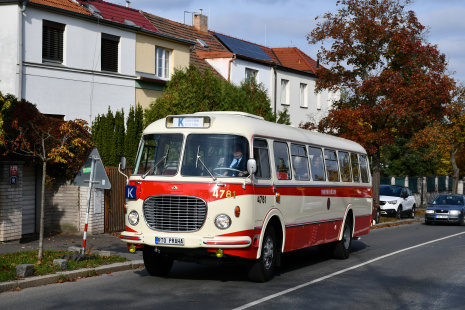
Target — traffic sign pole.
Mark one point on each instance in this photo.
(91, 181)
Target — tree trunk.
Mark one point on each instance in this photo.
(376, 176)
(456, 170)
(42, 207)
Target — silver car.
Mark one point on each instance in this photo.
(446, 209)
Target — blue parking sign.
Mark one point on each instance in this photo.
(130, 192)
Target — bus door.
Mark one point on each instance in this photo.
(264, 195)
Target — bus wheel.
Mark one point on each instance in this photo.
(261, 270)
(157, 264)
(342, 248)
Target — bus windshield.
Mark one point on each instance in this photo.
(215, 155)
(159, 154)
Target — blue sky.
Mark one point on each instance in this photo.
(285, 23)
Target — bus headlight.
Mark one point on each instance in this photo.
(223, 221)
(133, 218)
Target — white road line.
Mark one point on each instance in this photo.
(289, 290)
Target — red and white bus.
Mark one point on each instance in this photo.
(192, 198)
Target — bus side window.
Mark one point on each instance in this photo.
(364, 169)
(332, 168)
(300, 162)
(316, 164)
(262, 157)
(281, 161)
(355, 167)
(344, 166)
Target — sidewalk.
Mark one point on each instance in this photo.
(62, 242)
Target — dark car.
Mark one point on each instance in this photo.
(446, 209)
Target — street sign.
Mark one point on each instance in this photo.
(100, 177)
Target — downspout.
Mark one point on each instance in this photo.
(229, 69)
(19, 77)
(275, 91)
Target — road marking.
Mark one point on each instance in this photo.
(289, 290)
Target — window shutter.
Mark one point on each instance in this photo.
(109, 53)
(52, 41)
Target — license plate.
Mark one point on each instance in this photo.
(441, 216)
(169, 240)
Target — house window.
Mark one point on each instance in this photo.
(52, 41)
(303, 96)
(162, 62)
(251, 74)
(109, 52)
(284, 92)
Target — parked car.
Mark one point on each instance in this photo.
(396, 201)
(446, 209)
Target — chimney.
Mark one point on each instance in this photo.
(201, 22)
(128, 3)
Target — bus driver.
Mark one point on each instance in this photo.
(237, 164)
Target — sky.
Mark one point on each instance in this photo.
(286, 23)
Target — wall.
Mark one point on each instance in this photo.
(9, 26)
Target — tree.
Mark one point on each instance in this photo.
(28, 133)
(190, 90)
(446, 137)
(394, 80)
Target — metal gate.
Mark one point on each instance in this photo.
(114, 200)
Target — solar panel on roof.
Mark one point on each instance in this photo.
(243, 48)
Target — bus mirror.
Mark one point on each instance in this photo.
(251, 166)
(122, 164)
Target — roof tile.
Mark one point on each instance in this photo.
(118, 13)
(64, 4)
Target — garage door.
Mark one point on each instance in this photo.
(29, 200)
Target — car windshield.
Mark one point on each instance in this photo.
(393, 191)
(448, 200)
(215, 155)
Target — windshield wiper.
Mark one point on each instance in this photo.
(158, 162)
(197, 163)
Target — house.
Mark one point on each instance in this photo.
(75, 59)
(157, 54)
(288, 74)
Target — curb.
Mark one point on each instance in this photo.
(73, 274)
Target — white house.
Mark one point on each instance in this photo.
(68, 62)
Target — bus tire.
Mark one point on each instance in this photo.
(342, 248)
(261, 270)
(157, 264)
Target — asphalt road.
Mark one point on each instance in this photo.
(404, 267)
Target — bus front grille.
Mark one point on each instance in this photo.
(175, 213)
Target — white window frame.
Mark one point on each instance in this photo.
(162, 62)
(303, 95)
(249, 73)
(284, 92)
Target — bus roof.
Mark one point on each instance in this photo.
(249, 126)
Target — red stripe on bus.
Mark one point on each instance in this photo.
(212, 192)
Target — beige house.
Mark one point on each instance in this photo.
(156, 59)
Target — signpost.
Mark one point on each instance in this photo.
(92, 173)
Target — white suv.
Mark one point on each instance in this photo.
(396, 201)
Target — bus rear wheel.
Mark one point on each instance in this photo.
(261, 270)
(157, 264)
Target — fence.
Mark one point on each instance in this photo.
(425, 189)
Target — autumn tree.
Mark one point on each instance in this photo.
(191, 90)
(446, 137)
(46, 140)
(394, 81)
